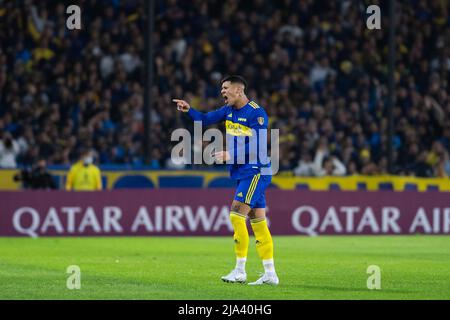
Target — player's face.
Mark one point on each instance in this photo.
(230, 92)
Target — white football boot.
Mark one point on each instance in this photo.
(270, 278)
(235, 276)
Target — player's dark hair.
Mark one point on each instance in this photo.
(235, 79)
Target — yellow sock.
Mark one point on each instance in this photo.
(264, 243)
(241, 237)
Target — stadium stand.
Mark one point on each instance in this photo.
(321, 77)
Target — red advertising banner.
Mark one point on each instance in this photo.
(204, 212)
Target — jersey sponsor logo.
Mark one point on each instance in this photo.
(237, 129)
(261, 120)
(242, 119)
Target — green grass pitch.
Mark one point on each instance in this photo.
(412, 267)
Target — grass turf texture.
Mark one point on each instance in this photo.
(413, 267)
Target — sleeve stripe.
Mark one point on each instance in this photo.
(253, 104)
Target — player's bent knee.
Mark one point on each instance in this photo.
(240, 207)
(259, 213)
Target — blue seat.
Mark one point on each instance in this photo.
(180, 181)
(385, 186)
(361, 186)
(222, 182)
(432, 187)
(302, 186)
(411, 187)
(133, 182)
(334, 186)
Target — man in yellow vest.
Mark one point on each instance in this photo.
(84, 175)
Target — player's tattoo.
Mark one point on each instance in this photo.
(236, 207)
(240, 207)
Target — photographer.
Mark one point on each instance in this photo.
(37, 177)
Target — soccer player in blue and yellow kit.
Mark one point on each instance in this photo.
(243, 119)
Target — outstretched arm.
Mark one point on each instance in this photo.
(206, 118)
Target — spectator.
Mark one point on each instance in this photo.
(178, 161)
(9, 150)
(305, 166)
(326, 165)
(422, 167)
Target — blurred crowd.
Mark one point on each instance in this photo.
(63, 90)
(315, 67)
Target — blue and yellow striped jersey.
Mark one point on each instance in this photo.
(246, 131)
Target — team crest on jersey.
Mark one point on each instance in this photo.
(260, 120)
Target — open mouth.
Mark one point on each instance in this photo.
(225, 98)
